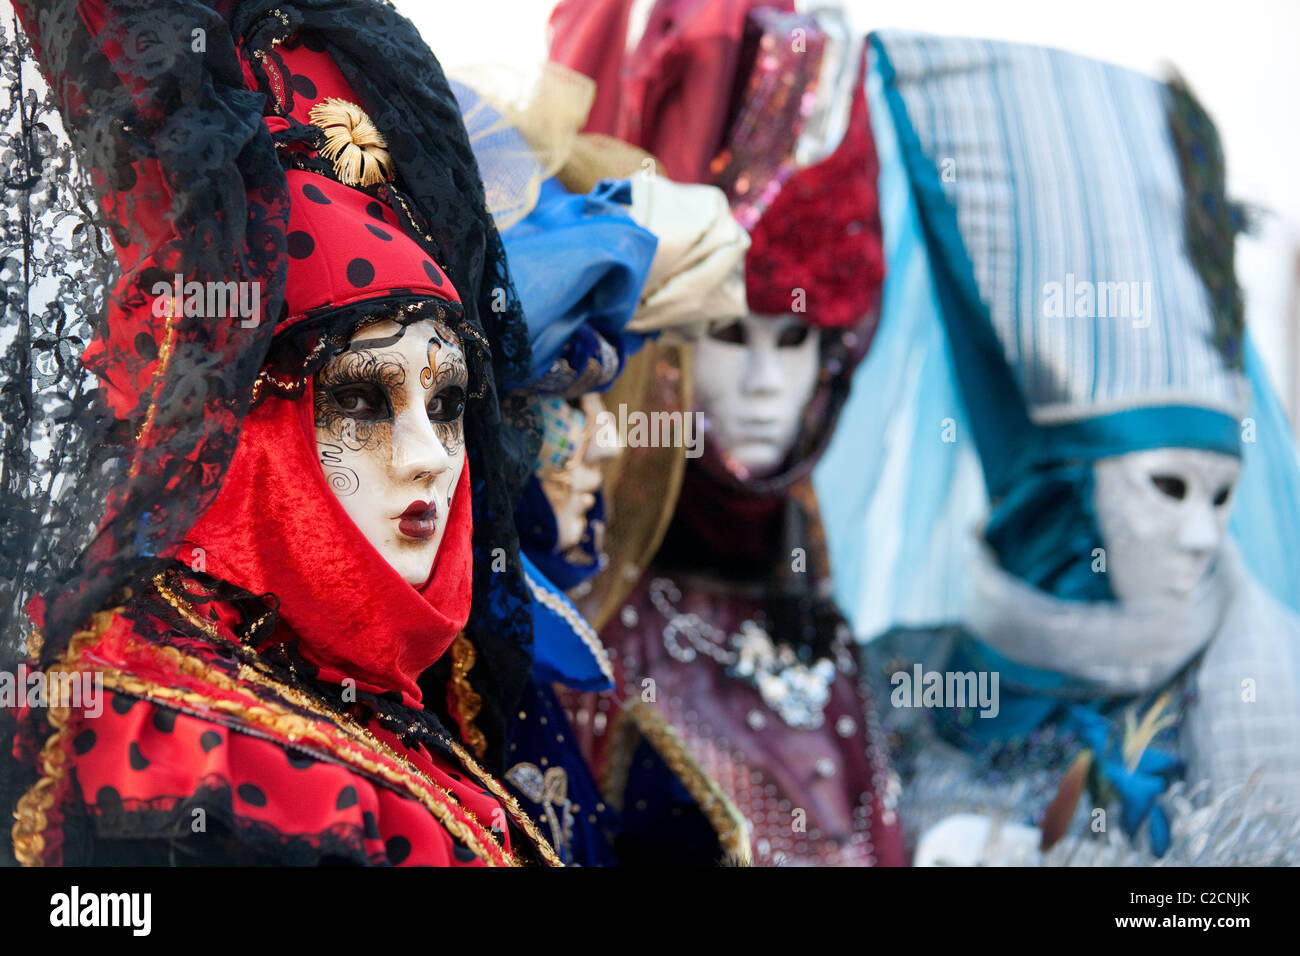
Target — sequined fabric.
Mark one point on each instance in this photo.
(814, 796)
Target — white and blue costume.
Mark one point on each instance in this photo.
(1049, 304)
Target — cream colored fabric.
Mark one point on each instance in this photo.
(525, 128)
(1119, 647)
(1240, 726)
(698, 273)
(596, 156)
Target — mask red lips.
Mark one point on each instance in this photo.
(420, 520)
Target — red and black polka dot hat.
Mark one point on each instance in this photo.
(347, 241)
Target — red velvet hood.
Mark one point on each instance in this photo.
(277, 527)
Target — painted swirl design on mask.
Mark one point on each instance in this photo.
(342, 480)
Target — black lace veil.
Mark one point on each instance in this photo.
(57, 265)
(136, 152)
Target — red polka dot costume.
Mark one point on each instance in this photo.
(259, 700)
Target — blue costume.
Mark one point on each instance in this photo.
(578, 264)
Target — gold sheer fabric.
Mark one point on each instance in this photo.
(641, 484)
(523, 129)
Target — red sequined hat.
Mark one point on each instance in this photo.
(737, 81)
(816, 247)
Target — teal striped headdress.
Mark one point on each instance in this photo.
(1081, 246)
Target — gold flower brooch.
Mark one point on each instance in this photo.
(353, 143)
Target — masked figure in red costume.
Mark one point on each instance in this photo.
(731, 654)
(291, 578)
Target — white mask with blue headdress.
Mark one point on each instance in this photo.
(1062, 319)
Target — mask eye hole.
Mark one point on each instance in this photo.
(1221, 497)
(792, 336)
(732, 332)
(363, 401)
(447, 405)
(1171, 485)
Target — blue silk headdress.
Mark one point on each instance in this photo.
(1060, 289)
(579, 263)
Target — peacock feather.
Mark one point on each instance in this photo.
(1212, 220)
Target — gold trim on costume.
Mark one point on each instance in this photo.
(511, 805)
(31, 816)
(183, 607)
(468, 701)
(35, 641)
(727, 821)
(350, 726)
(295, 727)
(358, 747)
(265, 378)
(507, 799)
(275, 41)
(155, 384)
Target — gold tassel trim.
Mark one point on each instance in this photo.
(640, 719)
(31, 816)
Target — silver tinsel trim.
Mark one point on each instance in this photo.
(1240, 826)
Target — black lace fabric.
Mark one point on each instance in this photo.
(134, 151)
(56, 264)
(187, 183)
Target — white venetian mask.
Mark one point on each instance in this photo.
(390, 436)
(753, 378)
(1163, 515)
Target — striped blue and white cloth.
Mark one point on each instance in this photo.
(1069, 209)
(903, 490)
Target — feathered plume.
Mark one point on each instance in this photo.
(1212, 221)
